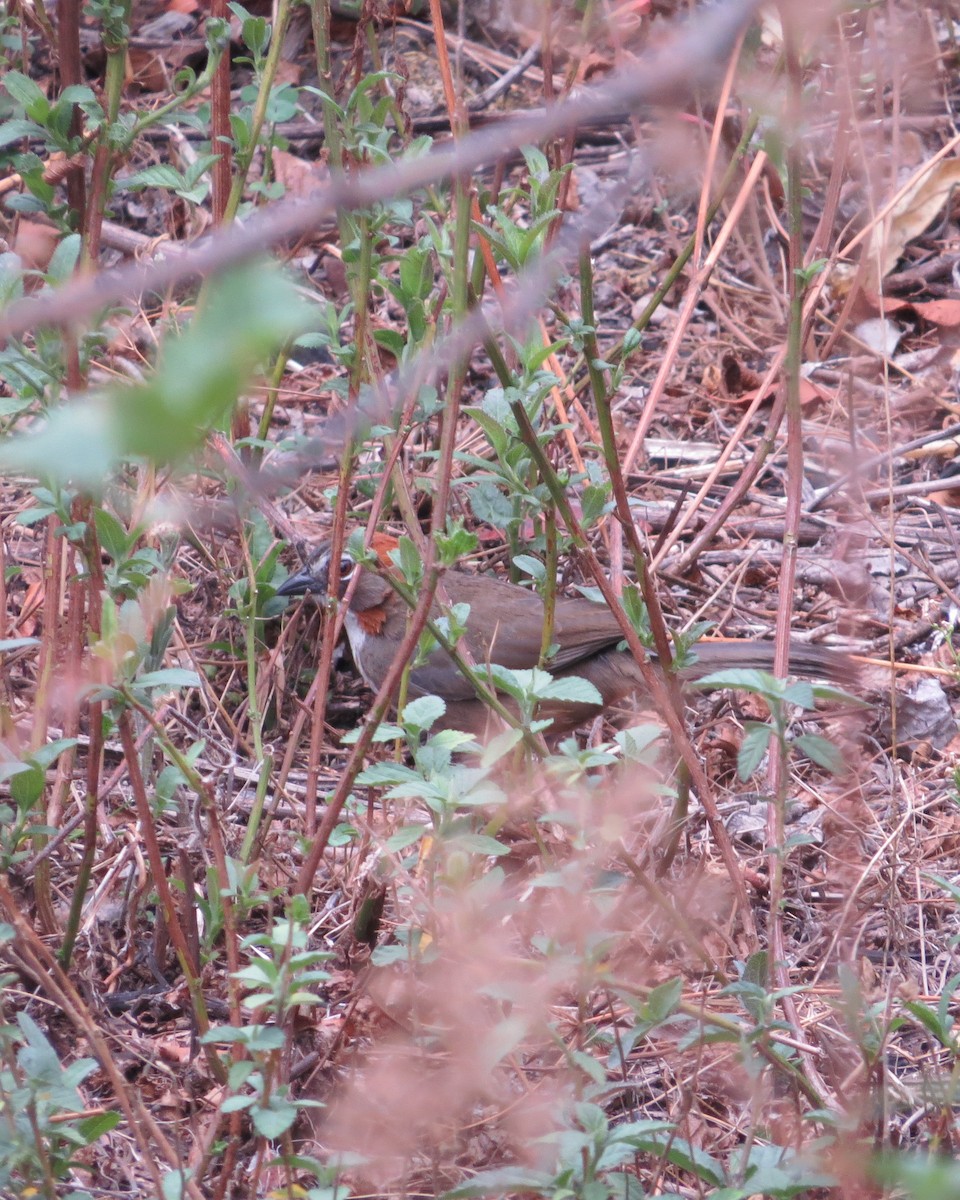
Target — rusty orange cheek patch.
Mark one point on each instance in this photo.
(381, 544)
(372, 620)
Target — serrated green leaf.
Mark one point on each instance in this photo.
(754, 747)
(572, 689)
(824, 753)
(408, 836)
(480, 843)
(423, 713)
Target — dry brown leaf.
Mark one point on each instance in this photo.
(299, 177)
(35, 243)
(939, 312)
(910, 216)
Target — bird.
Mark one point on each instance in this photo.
(505, 626)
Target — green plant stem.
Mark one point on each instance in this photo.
(270, 403)
(381, 703)
(320, 24)
(84, 870)
(651, 678)
(616, 354)
(250, 653)
(601, 398)
(104, 159)
(550, 566)
(256, 813)
(157, 116)
(331, 631)
(244, 158)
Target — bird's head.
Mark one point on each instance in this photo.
(314, 578)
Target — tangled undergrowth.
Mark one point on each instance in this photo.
(586, 300)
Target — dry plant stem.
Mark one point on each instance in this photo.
(57, 985)
(777, 767)
(103, 160)
(167, 903)
(381, 703)
(749, 474)
(886, 209)
(716, 133)
(331, 634)
(744, 480)
(457, 115)
(652, 679)
(53, 582)
(690, 301)
(220, 132)
(692, 55)
(865, 467)
(66, 45)
(645, 580)
(94, 763)
(215, 836)
(615, 355)
(601, 400)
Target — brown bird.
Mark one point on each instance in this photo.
(505, 626)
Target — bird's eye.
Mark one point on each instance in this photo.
(346, 568)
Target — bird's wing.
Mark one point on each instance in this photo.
(505, 626)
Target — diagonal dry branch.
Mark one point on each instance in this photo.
(692, 58)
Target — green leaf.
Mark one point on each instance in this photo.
(27, 94)
(504, 680)
(799, 693)
(663, 1000)
(64, 259)
(530, 566)
(17, 130)
(503, 1181)
(8, 644)
(754, 747)
(572, 689)
(499, 746)
(490, 506)
(92, 1128)
(757, 969)
(479, 843)
(111, 534)
(408, 836)
(26, 786)
(170, 677)
(275, 1121)
(921, 1176)
(824, 753)
(743, 679)
(682, 1154)
(173, 1184)
(423, 713)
